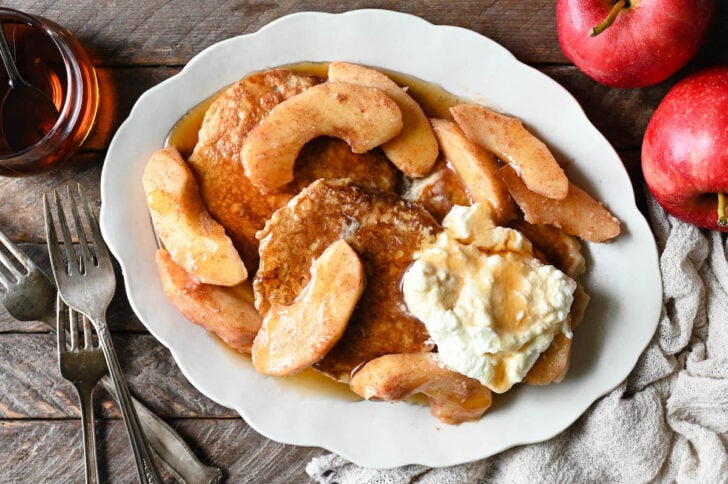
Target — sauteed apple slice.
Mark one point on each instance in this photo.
(577, 214)
(295, 337)
(228, 312)
(454, 398)
(559, 248)
(553, 362)
(477, 168)
(193, 238)
(364, 117)
(414, 150)
(509, 140)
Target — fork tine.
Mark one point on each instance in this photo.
(87, 331)
(61, 324)
(73, 329)
(19, 255)
(88, 335)
(102, 252)
(86, 259)
(71, 267)
(4, 279)
(54, 250)
(67, 325)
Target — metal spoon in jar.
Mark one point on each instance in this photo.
(26, 113)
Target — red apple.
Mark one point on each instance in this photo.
(685, 149)
(644, 43)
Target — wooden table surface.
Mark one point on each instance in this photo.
(136, 45)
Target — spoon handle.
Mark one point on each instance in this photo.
(16, 79)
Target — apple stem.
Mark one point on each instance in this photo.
(609, 20)
(722, 216)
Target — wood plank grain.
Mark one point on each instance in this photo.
(169, 33)
(22, 215)
(50, 451)
(245, 455)
(31, 386)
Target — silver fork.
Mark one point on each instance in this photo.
(88, 287)
(82, 364)
(28, 295)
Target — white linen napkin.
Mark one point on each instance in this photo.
(667, 422)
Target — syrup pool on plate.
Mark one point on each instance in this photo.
(435, 101)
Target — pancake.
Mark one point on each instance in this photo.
(384, 230)
(228, 194)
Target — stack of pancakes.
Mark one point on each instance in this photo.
(352, 197)
(385, 216)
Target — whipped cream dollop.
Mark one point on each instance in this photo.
(490, 306)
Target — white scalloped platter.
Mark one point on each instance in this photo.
(623, 276)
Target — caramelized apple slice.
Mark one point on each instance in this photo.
(414, 150)
(553, 363)
(577, 214)
(477, 168)
(578, 307)
(228, 312)
(193, 238)
(559, 248)
(509, 140)
(454, 398)
(364, 117)
(295, 337)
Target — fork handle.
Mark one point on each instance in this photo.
(85, 395)
(173, 452)
(145, 465)
(167, 444)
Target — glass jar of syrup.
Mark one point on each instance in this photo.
(51, 60)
